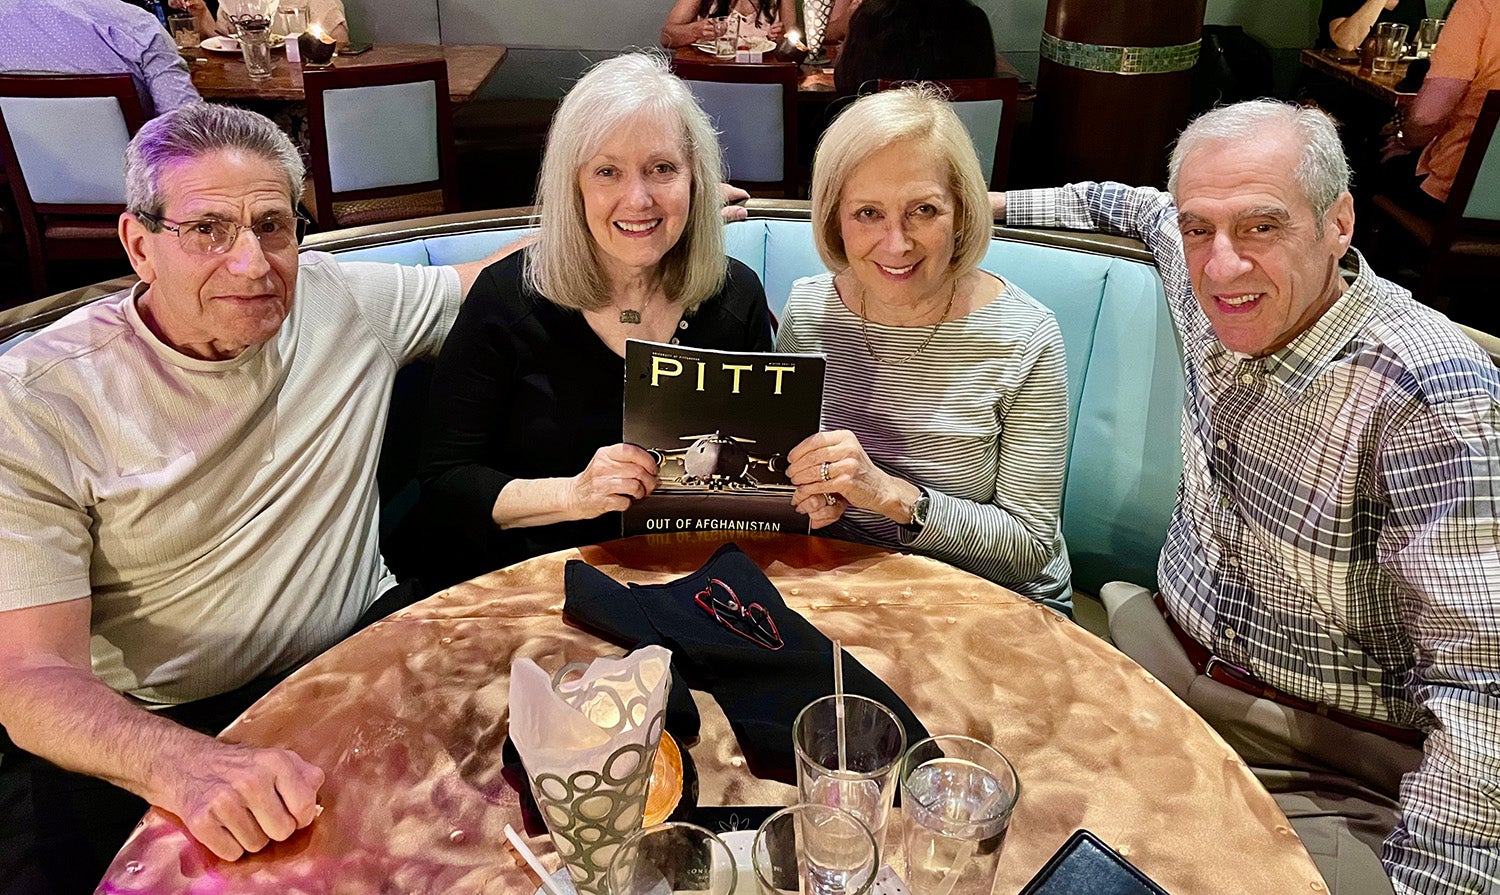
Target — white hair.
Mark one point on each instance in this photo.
(563, 265)
(1322, 169)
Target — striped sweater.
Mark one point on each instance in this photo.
(979, 419)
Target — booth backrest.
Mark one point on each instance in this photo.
(1125, 383)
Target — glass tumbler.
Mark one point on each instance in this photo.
(874, 741)
(1390, 44)
(1427, 36)
(255, 46)
(184, 30)
(672, 857)
(957, 795)
(291, 19)
(813, 850)
(727, 31)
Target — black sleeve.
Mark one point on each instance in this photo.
(751, 296)
(735, 318)
(471, 384)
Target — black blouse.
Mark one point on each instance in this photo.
(525, 389)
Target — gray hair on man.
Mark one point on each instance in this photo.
(563, 265)
(196, 130)
(1322, 169)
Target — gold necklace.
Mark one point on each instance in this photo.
(864, 327)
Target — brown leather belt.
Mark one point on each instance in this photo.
(1211, 666)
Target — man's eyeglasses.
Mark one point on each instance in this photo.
(753, 622)
(212, 236)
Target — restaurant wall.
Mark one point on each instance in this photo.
(553, 41)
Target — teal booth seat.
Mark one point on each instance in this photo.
(1125, 383)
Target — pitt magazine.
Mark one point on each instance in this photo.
(719, 424)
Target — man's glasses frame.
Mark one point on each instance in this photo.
(752, 622)
(215, 236)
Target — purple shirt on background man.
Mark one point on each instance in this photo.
(95, 37)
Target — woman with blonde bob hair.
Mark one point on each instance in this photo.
(523, 453)
(946, 390)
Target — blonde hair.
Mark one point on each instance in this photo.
(564, 265)
(921, 115)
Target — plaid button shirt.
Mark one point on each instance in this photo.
(1337, 526)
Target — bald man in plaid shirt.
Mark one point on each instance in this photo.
(1330, 585)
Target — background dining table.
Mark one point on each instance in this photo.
(1380, 86)
(816, 81)
(222, 76)
(407, 718)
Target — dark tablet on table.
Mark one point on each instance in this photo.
(1086, 866)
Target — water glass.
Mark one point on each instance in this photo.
(727, 36)
(255, 46)
(1390, 44)
(1427, 36)
(874, 742)
(291, 19)
(957, 795)
(183, 30)
(814, 850)
(671, 857)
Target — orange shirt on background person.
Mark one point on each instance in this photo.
(1469, 50)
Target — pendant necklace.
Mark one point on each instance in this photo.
(633, 317)
(864, 327)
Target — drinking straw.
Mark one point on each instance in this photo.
(838, 701)
(956, 869)
(536, 866)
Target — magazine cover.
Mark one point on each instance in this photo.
(720, 424)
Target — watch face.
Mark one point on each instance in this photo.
(919, 510)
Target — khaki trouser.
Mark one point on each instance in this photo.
(1338, 786)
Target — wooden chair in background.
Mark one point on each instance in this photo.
(381, 143)
(62, 141)
(987, 107)
(754, 109)
(1465, 238)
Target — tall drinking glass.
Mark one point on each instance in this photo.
(255, 46)
(672, 857)
(813, 850)
(1390, 44)
(727, 34)
(184, 30)
(1427, 36)
(957, 795)
(291, 19)
(865, 783)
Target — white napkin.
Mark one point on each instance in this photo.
(581, 723)
(588, 746)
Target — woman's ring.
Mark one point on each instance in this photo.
(830, 499)
(826, 476)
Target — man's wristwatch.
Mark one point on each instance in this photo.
(919, 509)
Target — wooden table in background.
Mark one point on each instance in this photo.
(1381, 87)
(407, 719)
(221, 76)
(816, 83)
